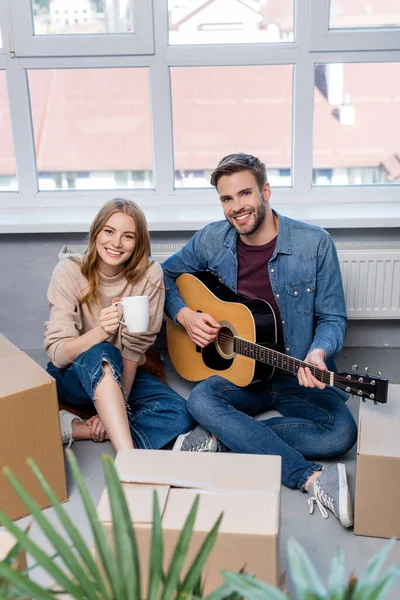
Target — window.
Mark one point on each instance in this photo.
(102, 17)
(356, 124)
(8, 180)
(91, 106)
(219, 109)
(230, 22)
(364, 13)
(95, 121)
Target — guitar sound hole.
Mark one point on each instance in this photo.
(225, 341)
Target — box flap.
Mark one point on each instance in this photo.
(140, 502)
(245, 512)
(6, 347)
(7, 542)
(199, 470)
(379, 426)
(18, 372)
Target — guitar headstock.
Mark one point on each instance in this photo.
(365, 386)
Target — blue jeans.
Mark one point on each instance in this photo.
(315, 423)
(156, 413)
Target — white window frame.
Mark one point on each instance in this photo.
(324, 39)
(26, 43)
(167, 208)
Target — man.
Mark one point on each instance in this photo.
(258, 253)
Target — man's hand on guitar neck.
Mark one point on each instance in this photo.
(201, 327)
(305, 377)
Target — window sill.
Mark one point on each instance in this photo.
(191, 218)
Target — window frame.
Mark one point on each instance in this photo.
(27, 44)
(191, 208)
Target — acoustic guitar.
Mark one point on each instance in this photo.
(243, 350)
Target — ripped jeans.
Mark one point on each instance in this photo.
(156, 413)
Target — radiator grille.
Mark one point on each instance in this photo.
(370, 271)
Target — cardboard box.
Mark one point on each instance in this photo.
(378, 468)
(246, 488)
(7, 543)
(29, 427)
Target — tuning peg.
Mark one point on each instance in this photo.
(354, 368)
(366, 370)
(379, 374)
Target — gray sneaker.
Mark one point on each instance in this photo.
(197, 440)
(331, 491)
(66, 420)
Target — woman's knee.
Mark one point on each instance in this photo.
(101, 355)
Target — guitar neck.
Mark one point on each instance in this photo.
(280, 360)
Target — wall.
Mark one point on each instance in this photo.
(28, 260)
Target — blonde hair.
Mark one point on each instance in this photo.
(136, 265)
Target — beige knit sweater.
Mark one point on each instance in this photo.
(69, 320)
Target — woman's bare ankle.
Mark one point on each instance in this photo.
(80, 431)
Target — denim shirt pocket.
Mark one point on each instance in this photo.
(302, 296)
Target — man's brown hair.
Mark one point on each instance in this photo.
(234, 163)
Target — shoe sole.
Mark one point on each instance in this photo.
(345, 505)
(179, 442)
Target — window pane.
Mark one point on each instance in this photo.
(356, 124)
(364, 13)
(230, 21)
(92, 128)
(82, 16)
(221, 110)
(8, 180)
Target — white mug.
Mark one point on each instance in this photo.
(136, 311)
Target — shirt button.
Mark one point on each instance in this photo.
(308, 290)
(277, 295)
(283, 322)
(295, 293)
(287, 349)
(272, 270)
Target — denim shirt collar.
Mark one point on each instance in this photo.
(283, 243)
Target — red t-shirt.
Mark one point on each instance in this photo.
(253, 278)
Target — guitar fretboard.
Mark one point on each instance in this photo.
(279, 360)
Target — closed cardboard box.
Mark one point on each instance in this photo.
(246, 488)
(378, 468)
(29, 428)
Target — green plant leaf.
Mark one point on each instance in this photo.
(125, 540)
(156, 552)
(250, 588)
(73, 532)
(380, 589)
(180, 552)
(105, 553)
(371, 571)
(23, 583)
(223, 592)
(194, 572)
(304, 574)
(57, 541)
(337, 583)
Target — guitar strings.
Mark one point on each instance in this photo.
(287, 363)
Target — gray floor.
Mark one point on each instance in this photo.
(320, 537)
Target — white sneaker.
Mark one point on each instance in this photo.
(66, 420)
(196, 440)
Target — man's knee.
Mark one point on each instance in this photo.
(204, 396)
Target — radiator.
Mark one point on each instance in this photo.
(370, 271)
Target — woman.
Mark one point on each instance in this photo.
(93, 357)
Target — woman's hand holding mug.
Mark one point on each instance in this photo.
(109, 318)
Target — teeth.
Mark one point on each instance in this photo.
(113, 252)
(242, 217)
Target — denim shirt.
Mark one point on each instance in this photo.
(304, 273)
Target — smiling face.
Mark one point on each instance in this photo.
(115, 243)
(245, 206)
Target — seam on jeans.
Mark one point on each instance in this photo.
(139, 437)
(330, 420)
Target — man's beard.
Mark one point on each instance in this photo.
(259, 215)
